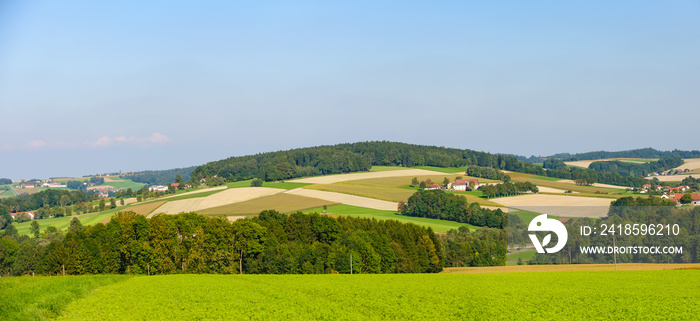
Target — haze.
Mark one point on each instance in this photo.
(90, 86)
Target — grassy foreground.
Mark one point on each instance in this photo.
(41, 298)
(511, 296)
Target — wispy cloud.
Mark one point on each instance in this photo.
(155, 138)
(104, 141)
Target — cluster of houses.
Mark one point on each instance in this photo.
(673, 193)
(675, 171)
(14, 215)
(458, 185)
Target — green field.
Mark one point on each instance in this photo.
(62, 223)
(386, 168)
(525, 255)
(356, 211)
(546, 178)
(43, 298)
(574, 295)
(126, 184)
(7, 193)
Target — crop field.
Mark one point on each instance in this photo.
(385, 168)
(394, 189)
(674, 178)
(30, 191)
(229, 196)
(559, 205)
(691, 164)
(562, 185)
(363, 212)
(346, 199)
(42, 298)
(7, 193)
(146, 208)
(571, 295)
(282, 202)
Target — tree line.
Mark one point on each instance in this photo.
(191, 243)
(161, 177)
(635, 169)
(508, 189)
(440, 205)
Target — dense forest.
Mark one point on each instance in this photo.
(191, 243)
(163, 177)
(636, 169)
(346, 158)
(49, 198)
(483, 247)
(634, 153)
(440, 205)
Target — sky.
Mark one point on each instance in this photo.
(90, 87)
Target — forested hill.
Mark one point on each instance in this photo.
(161, 177)
(346, 158)
(634, 153)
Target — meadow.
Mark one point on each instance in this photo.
(363, 212)
(571, 295)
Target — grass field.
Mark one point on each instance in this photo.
(282, 202)
(125, 184)
(363, 212)
(506, 296)
(7, 193)
(393, 189)
(525, 256)
(43, 298)
(62, 223)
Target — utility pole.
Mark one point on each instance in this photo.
(350, 263)
(149, 269)
(63, 266)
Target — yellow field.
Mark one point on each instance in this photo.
(559, 205)
(573, 267)
(691, 164)
(229, 196)
(145, 209)
(394, 188)
(673, 178)
(282, 202)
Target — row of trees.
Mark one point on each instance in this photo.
(636, 169)
(508, 189)
(191, 243)
(440, 205)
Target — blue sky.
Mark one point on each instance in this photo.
(93, 86)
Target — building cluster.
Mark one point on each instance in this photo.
(457, 185)
(675, 171)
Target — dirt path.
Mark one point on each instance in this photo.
(346, 199)
(573, 267)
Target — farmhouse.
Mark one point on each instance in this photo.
(677, 198)
(462, 184)
(158, 188)
(432, 187)
(27, 185)
(31, 214)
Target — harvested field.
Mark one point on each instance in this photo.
(218, 188)
(573, 267)
(219, 199)
(559, 205)
(145, 209)
(346, 199)
(673, 178)
(562, 185)
(281, 202)
(568, 181)
(30, 191)
(691, 164)
(544, 189)
(329, 179)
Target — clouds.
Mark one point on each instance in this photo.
(99, 143)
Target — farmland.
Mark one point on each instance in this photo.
(511, 296)
(560, 205)
(41, 298)
(355, 211)
(281, 202)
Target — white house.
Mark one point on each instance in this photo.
(462, 184)
(158, 188)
